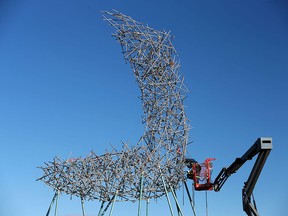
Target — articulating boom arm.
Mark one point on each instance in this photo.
(262, 147)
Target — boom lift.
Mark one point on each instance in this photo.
(262, 148)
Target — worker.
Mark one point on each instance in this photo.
(195, 169)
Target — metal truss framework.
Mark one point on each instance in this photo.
(155, 164)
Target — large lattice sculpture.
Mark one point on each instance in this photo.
(155, 164)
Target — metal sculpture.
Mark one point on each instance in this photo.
(154, 166)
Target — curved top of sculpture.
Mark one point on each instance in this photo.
(160, 151)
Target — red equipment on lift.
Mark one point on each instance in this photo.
(200, 173)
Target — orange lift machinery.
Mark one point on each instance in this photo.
(201, 173)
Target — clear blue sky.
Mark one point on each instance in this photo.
(65, 89)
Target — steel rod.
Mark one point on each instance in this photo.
(112, 207)
(147, 207)
(107, 206)
(83, 207)
(51, 205)
(190, 199)
(206, 198)
(140, 195)
(176, 201)
(167, 196)
(56, 206)
(100, 210)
